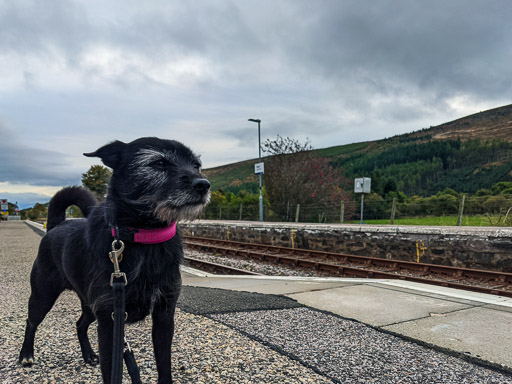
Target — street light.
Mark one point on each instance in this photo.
(259, 151)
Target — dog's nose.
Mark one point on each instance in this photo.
(201, 185)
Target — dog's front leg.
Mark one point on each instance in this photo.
(163, 330)
(105, 340)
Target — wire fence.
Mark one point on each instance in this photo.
(435, 210)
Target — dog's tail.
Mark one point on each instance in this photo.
(78, 196)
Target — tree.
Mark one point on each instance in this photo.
(12, 208)
(286, 145)
(96, 180)
(502, 188)
(294, 176)
(496, 204)
(38, 212)
(389, 186)
(74, 212)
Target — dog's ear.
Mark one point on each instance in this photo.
(109, 154)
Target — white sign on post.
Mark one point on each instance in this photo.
(259, 169)
(4, 205)
(362, 185)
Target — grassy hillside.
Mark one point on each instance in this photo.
(494, 123)
(234, 177)
(467, 154)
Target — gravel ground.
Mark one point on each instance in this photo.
(351, 352)
(241, 262)
(204, 351)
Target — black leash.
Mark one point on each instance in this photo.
(118, 336)
(131, 364)
(118, 282)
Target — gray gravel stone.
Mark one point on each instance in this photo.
(351, 352)
(243, 262)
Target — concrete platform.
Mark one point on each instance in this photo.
(461, 322)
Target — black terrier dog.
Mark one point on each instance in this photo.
(154, 184)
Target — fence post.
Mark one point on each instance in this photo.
(287, 209)
(220, 212)
(342, 211)
(241, 205)
(461, 210)
(393, 210)
(297, 213)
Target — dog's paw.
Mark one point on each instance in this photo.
(27, 361)
(92, 359)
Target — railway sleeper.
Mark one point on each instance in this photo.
(356, 272)
(328, 268)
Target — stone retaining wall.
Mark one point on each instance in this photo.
(470, 247)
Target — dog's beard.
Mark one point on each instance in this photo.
(168, 211)
(168, 214)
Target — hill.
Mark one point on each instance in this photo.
(467, 154)
(495, 123)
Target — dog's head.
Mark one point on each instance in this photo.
(158, 179)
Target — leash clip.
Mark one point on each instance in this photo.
(116, 256)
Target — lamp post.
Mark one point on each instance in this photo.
(259, 155)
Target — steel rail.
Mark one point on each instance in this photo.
(389, 269)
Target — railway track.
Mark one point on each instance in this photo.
(215, 267)
(340, 264)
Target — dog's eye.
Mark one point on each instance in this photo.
(160, 164)
(197, 166)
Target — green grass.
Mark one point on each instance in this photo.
(224, 179)
(473, 221)
(339, 150)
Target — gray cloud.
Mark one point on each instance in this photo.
(450, 47)
(85, 73)
(384, 47)
(31, 165)
(32, 27)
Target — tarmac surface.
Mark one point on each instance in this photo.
(473, 327)
(233, 329)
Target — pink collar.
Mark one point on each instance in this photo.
(151, 236)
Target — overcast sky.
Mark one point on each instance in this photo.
(75, 75)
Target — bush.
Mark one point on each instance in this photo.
(496, 204)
